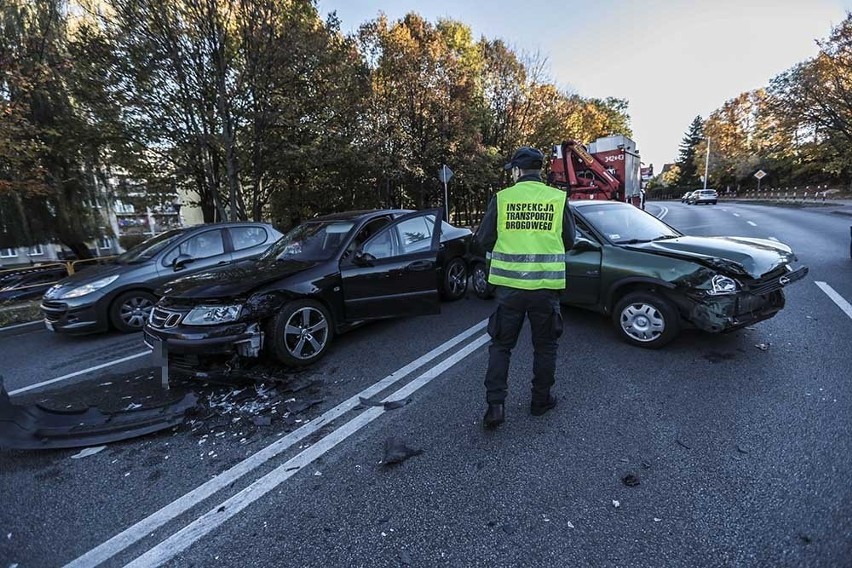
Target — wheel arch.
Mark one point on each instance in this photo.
(633, 284)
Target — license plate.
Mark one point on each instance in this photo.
(49, 325)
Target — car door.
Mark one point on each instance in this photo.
(206, 250)
(583, 269)
(395, 272)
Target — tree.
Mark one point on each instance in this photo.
(50, 150)
(687, 170)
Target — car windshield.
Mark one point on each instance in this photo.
(149, 249)
(316, 240)
(626, 224)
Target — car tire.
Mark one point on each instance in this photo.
(455, 280)
(130, 311)
(479, 281)
(646, 319)
(301, 333)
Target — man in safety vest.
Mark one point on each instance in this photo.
(527, 229)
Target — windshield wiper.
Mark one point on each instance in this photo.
(666, 237)
(632, 242)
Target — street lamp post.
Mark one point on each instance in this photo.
(706, 163)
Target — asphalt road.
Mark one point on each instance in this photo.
(742, 455)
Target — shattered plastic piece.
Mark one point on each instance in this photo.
(388, 405)
(741, 449)
(394, 404)
(630, 480)
(88, 452)
(616, 504)
(299, 407)
(763, 346)
(570, 525)
(33, 427)
(318, 473)
(396, 451)
(682, 443)
(133, 406)
(657, 520)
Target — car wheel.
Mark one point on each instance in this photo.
(646, 319)
(455, 279)
(481, 287)
(301, 333)
(129, 311)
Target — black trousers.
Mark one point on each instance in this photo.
(504, 326)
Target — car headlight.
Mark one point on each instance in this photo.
(88, 288)
(722, 285)
(212, 315)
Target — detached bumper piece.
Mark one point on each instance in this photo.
(33, 427)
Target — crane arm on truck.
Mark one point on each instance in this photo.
(578, 172)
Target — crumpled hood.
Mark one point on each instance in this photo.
(235, 280)
(737, 255)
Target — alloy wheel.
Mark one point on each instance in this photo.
(306, 333)
(135, 310)
(480, 280)
(456, 278)
(643, 322)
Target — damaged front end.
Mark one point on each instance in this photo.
(721, 303)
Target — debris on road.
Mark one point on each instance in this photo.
(570, 526)
(396, 451)
(742, 449)
(682, 443)
(300, 407)
(616, 504)
(763, 346)
(88, 452)
(630, 480)
(388, 405)
(35, 427)
(657, 519)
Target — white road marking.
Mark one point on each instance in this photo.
(186, 537)
(148, 525)
(836, 298)
(774, 239)
(752, 223)
(20, 325)
(663, 212)
(736, 214)
(78, 373)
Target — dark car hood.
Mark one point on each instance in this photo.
(738, 255)
(235, 280)
(92, 273)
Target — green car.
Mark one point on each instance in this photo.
(653, 281)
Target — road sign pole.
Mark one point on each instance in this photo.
(446, 194)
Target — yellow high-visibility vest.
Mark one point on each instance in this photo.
(529, 253)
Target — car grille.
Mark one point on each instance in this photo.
(778, 281)
(53, 311)
(163, 319)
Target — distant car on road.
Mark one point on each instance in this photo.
(708, 196)
(121, 294)
(652, 280)
(323, 278)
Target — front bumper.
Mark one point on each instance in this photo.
(75, 316)
(227, 339)
(723, 314)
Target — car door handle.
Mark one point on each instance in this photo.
(418, 265)
(221, 262)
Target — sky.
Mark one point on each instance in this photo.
(672, 60)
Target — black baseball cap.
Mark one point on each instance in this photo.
(526, 158)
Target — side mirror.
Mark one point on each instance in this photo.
(362, 258)
(181, 261)
(584, 245)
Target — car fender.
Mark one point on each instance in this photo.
(630, 281)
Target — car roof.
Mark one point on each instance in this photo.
(359, 214)
(588, 202)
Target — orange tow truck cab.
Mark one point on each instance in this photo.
(609, 169)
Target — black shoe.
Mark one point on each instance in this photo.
(539, 408)
(495, 415)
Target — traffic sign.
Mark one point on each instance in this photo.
(760, 174)
(445, 174)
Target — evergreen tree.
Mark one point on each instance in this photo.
(689, 176)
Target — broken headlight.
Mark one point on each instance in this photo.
(212, 315)
(722, 285)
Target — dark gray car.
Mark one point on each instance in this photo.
(121, 295)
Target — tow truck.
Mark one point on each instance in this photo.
(609, 169)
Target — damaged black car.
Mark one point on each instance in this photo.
(321, 279)
(653, 280)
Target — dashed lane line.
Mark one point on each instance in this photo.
(836, 298)
(166, 514)
(736, 214)
(752, 223)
